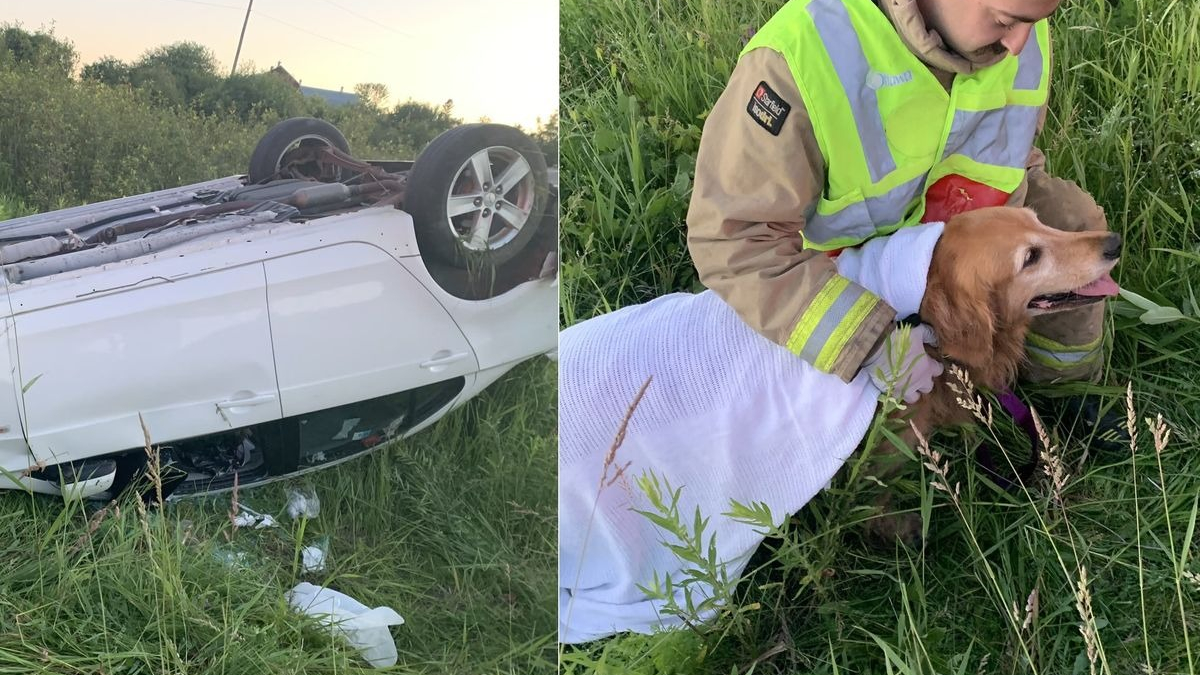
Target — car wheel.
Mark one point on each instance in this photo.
(286, 151)
(476, 194)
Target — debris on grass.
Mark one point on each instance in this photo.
(366, 629)
(248, 517)
(231, 558)
(303, 502)
(244, 520)
(312, 559)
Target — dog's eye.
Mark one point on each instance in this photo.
(1032, 256)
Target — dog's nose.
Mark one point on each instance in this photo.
(1112, 246)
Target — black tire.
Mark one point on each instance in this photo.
(266, 158)
(441, 171)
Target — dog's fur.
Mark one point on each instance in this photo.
(982, 281)
(978, 301)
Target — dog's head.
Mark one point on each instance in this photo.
(993, 269)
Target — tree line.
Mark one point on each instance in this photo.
(184, 76)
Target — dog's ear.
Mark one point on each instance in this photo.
(960, 310)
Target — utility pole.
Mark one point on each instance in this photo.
(240, 38)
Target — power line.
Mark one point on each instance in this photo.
(285, 23)
(368, 19)
(209, 4)
(318, 35)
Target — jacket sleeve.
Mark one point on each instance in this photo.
(756, 179)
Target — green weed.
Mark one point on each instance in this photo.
(1091, 568)
(453, 528)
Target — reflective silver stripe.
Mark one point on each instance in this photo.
(829, 322)
(841, 43)
(1002, 137)
(860, 220)
(1029, 64)
(1062, 357)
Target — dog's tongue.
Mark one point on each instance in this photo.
(1103, 286)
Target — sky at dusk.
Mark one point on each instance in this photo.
(494, 60)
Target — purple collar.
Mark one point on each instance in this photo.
(1023, 417)
(1020, 414)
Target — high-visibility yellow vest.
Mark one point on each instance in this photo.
(887, 128)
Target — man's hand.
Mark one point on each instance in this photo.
(901, 364)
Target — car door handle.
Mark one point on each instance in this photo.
(247, 402)
(442, 359)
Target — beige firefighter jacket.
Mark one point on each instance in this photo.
(752, 188)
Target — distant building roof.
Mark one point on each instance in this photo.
(282, 72)
(336, 98)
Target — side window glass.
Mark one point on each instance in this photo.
(335, 433)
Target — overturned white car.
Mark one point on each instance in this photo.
(274, 323)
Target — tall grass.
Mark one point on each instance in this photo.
(453, 528)
(1092, 568)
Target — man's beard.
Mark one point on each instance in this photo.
(986, 54)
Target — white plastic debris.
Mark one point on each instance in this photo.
(231, 558)
(244, 519)
(247, 516)
(312, 558)
(303, 502)
(366, 629)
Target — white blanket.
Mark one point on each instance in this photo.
(729, 415)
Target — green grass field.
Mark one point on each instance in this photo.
(996, 587)
(453, 528)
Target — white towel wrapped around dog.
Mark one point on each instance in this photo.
(729, 415)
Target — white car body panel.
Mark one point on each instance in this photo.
(242, 327)
(356, 294)
(180, 353)
(505, 328)
(14, 450)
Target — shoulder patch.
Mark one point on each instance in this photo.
(767, 108)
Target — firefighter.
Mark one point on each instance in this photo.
(849, 119)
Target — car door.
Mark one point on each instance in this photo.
(191, 355)
(14, 450)
(349, 323)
